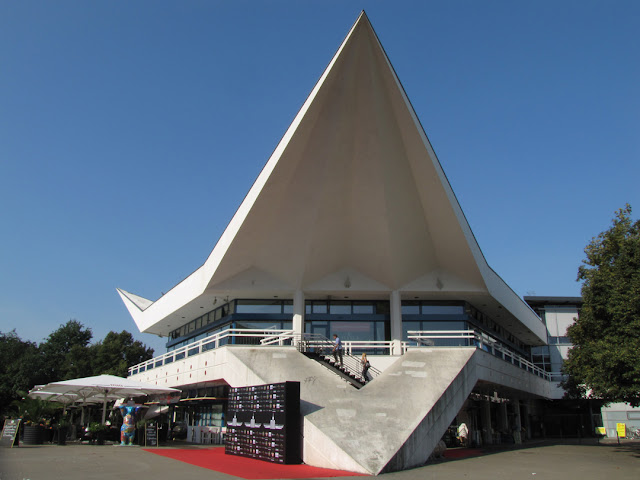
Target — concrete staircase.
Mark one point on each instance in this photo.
(390, 424)
(343, 372)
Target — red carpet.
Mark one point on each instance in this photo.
(462, 452)
(215, 459)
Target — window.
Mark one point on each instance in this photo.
(259, 306)
(428, 309)
(411, 308)
(363, 308)
(319, 307)
(340, 308)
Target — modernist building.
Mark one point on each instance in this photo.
(352, 228)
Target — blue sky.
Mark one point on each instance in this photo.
(131, 131)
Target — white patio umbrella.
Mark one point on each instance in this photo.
(106, 387)
(67, 399)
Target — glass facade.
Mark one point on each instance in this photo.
(248, 314)
(351, 320)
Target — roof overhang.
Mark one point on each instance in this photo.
(353, 202)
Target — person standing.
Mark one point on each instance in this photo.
(463, 434)
(364, 363)
(337, 349)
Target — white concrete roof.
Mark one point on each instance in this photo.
(353, 191)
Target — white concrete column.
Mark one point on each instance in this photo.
(395, 305)
(298, 312)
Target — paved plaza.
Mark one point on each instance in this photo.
(586, 460)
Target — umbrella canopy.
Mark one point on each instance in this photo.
(103, 387)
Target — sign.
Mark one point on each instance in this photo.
(601, 431)
(9, 436)
(151, 436)
(621, 429)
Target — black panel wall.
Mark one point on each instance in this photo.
(264, 422)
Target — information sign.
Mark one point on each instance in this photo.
(622, 429)
(151, 436)
(10, 430)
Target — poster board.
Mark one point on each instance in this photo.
(151, 436)
(621, 429)
(265, 423)
(10, 430)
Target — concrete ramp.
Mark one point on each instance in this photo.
(392, 423)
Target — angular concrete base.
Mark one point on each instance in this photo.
(392, 423)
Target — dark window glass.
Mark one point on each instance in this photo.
(382, 308)
(363, 308)
(259, 306)
(442, 309)
(340, 308)
(319, 307)
(410, 308)
(287, 307)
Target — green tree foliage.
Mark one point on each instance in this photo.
(21, 367)
(65, 354)
(605, 360)
(117, 352)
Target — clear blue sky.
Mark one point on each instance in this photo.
(131, 131)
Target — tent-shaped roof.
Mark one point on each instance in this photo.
(353, 202)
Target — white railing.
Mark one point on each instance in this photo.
(480, 340)
(419, 338)
(386, 347)
(322, 346)
(241, 335)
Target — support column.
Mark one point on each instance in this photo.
(395, 305)
(485, 417)
(298, 313)
(517, 423)
(526, 421)
(503, 418)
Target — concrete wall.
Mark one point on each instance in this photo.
(392, 423)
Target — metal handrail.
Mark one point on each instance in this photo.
(209, 343)
(479, 340)
(315, 342)
(319, 343)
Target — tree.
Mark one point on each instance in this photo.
(66, 352)
(21, 367)
(605, 360)
(117, 352)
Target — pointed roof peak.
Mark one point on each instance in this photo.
(353, 186)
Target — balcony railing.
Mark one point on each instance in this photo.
(417, 338)
(474, 338)
(242, 336)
